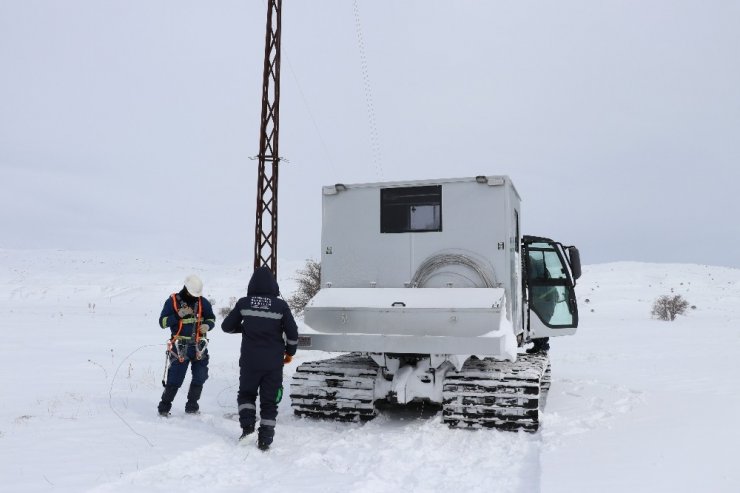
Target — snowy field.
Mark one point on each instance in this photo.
(636, 404)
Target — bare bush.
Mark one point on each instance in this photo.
(309, 283)
(667, 307)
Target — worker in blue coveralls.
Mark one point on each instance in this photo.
(269, 341)
(189, 316)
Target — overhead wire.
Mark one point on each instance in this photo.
(374, 134)
(310, 115)
(375, 148)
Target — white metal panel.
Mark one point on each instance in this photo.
(415, 312)
(474, 220)
(491, 345)
(413, 298)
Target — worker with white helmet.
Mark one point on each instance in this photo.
(189, 316)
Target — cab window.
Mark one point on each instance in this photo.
(550, 290)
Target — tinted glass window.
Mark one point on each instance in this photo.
(550, 303)
(545, 263)
(404, 210)
(549, 292)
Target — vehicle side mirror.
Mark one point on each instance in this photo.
(575, 262)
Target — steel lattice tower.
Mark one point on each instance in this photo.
(266, 226)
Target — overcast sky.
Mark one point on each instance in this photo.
(129, 124)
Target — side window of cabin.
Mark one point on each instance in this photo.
(411, 209)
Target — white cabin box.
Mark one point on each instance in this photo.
(426, 260)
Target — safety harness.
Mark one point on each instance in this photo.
(176, 344)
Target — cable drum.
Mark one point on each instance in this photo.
(445, 263)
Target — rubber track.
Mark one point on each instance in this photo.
(338, 388)
(496, 394)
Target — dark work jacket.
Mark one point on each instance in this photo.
(169, 319)
(262, 318)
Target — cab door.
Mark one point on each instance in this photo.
(549, 281)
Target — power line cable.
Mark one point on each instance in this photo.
(372, 120)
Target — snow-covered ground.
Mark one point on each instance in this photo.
(636, 404)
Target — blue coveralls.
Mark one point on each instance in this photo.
(262, 318)
(169, 318)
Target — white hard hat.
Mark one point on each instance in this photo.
(194, 285)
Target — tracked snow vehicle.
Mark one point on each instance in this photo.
(432, 291)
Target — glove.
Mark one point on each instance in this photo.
(203, 329)
(287, 359)
(185, 311)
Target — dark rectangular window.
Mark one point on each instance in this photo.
(404, 210)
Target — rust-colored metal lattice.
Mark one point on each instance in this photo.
(266, 225)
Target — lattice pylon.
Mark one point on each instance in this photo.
(265, 231)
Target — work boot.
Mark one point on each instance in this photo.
(539, 346)
(246, 431)
(191, 406)
(265, 436)
(263, 446)
(170, 391)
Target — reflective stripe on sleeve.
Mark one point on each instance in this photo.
(292, 343)
(255, 313)
(163, 322)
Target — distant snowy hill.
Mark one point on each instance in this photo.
(636, 404)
